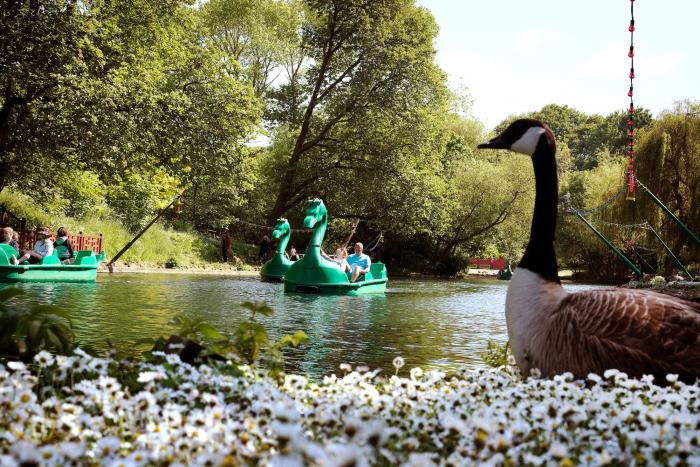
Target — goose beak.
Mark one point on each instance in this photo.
(494, 143)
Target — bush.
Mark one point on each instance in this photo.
(139, 197)
(25, 330)
(25, 207)
(156, 247)
(82, 192)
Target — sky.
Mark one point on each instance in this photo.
(515, 56)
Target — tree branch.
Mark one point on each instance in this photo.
(340, 78)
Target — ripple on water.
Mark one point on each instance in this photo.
(429, 322)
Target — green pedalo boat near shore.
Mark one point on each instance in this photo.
(84, 269)
(275, 269)
(313, 274)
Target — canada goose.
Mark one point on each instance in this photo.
(637, 332)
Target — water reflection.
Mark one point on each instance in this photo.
(431, 323)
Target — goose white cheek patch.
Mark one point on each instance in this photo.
(528, 142)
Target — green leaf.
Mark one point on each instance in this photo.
(209, 332)
(294, 340)
(260, 334)
(38, 310)
(300, 337)
(258, 307)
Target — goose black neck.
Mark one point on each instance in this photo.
(539, 255)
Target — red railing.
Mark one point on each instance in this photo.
(27, 238)
(483, 263)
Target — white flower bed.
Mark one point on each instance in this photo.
(179, 414)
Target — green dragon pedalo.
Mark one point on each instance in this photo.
(314, 274)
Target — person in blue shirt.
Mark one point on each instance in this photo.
(359, 262)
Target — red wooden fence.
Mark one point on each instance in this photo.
(483, 263)
(27, 238)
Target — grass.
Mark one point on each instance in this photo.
(159, 245)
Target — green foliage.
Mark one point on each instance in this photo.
(259, 35)
(141, 195)
(251, 338)
(75, 193)
(668, 163)
(469, 204)
(585, 134)
(45, 48)
(26, 207)
(82, 193)
(488, 208)
(131, 92)
(26, 331)
(250, 342)
(196, 329)
(372, 80)
(496, 355)
(577, 247)
(156, 247)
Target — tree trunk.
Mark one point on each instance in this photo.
(194, 204)
(5, 139)
(287, 186)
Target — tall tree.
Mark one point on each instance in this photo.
(366, 59)
(43, 50)
(261, 35)
(585, 134)
(129, 91)
(668, 163)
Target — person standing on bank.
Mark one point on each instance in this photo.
(225, 245)
(265, 248)
(359, 262)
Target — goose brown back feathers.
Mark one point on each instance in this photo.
(638, 332)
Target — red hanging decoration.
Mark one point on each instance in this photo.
(630, 120)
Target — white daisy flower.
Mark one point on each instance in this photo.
(44, 359)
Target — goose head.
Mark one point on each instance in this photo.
(534, 138)
(522, 136)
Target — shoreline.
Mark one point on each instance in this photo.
(121, 269)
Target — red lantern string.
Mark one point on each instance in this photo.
(630, 93)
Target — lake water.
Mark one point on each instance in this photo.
(430, 323)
